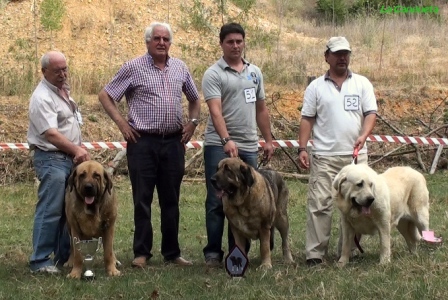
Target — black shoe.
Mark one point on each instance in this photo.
(313, 262)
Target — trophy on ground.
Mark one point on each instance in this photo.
(88, 249)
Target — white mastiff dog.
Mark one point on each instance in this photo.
(371, 203)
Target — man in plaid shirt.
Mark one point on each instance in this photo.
(156, 135)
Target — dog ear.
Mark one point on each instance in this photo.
(248, 179)
(108, 181)
(339, 180)
(71, 182)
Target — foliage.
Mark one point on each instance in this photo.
(52, 12)
(199, 17)
(339, 11)
(21, 80)
(332, 11)
(245, 5)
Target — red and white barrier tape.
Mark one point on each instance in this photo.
(277, 143)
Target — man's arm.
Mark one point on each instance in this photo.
(367, 127)
(306, 124)
(264, 124)
(194, 111)
(111, 109)
(62, 143)
(263, 120)
(215, 109)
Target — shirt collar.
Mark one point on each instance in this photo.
(54, 88)
(327, 75)
(224, 65)
(151, 60)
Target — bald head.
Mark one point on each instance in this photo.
(54, 68)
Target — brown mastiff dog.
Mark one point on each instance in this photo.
(254, 202)
(91, 209)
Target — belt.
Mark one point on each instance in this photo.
(51, 151)
(161, 135)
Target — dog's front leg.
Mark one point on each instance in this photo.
(348, 234)
(110, 261)
(384, 231)
(240, 239)
(265, 249)
(76, 257)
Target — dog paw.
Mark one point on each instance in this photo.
(384, 260)
(265, 266)
(74, 274)
(342, 263)
(69, 263)
(113, 272)
(288, 259)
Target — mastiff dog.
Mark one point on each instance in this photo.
(91, 209)
(371, 203)
(254, 202)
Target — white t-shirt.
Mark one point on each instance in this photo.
(339, 114)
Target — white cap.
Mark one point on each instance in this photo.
(338, 43)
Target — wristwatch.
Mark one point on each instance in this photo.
(225, 140)
(301, 149)
(194, 121)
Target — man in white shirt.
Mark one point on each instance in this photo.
(339, 108)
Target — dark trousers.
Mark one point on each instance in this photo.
(156, 161)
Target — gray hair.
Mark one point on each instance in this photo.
(149, 30)
(45, 60)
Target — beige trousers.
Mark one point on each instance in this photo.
(320, 202)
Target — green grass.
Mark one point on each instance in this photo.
(420, 276)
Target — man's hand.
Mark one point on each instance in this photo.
(129, 133)
(304, 160)
(187, 132)
(81, 155)
(268, 152)
(231, 149)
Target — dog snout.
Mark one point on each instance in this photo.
(369, 200)
(89, 189)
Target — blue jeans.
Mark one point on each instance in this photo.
(214, 214)
(50, 233)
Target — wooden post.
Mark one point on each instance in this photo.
(436, 159)
(310, 78)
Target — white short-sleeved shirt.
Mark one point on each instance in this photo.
(49, 110)
(339, 114)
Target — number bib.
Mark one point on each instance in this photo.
(351, 102)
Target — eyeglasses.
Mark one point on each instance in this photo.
(57, 72)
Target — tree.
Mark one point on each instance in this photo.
(51, 15)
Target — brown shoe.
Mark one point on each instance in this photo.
(139, 262)
(180, 261)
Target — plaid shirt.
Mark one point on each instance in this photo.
(154, 96)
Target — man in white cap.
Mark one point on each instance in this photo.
(339, 108)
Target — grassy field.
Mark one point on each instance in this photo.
(421, 276)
